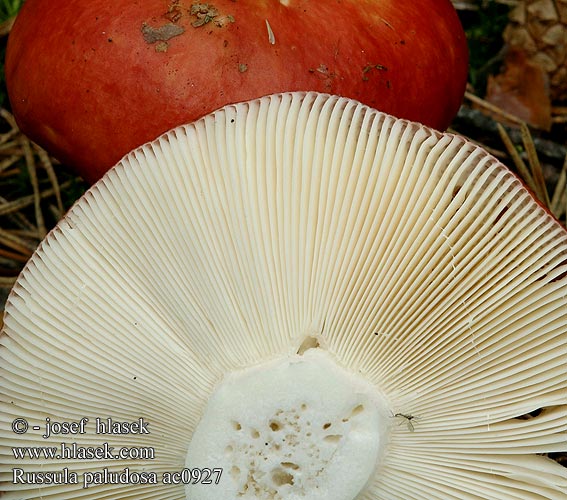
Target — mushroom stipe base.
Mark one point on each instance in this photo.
(298, 427)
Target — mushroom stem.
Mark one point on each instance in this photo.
(290, 428)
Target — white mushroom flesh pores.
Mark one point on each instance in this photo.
(298, 236)
(288, 429)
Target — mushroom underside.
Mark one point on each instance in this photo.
(300, 232)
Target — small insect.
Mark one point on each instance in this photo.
(408, 418)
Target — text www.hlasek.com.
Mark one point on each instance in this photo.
(74, 452)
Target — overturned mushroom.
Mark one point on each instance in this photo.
(308, 299)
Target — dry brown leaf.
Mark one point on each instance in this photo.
(522, 90)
